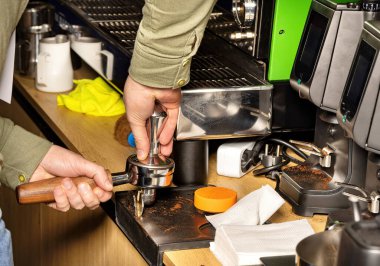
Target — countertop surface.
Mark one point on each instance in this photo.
(93, 137)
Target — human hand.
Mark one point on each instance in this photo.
(62, 162)
(139, 102)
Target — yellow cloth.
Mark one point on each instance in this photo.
(93, 97)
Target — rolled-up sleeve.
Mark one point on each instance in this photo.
(169, 35)
(21, 153)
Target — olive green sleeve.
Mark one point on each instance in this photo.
(169, 35)
(21, 153)
(12, 11)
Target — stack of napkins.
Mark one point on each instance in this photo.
(241, 238)
(245, 244)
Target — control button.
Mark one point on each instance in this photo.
(348, 115)
(344, 118)
(185, 62)
(181, 82)
(299, 81)
(21, 178)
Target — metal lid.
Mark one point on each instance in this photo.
(36, 14)
(60, 38)
(365, 234)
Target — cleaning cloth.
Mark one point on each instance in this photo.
(93, 97)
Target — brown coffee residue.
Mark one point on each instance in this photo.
(177, 206)
(309, 178)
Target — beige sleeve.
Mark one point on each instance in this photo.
(12, 11)
(169, 35)
(21, 153)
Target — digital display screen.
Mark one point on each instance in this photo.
(311, 45)
(310, 50)
(357, 79)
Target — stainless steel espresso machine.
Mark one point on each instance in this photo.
(319, 74)
(229, 74)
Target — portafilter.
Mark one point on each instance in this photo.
(154, 172)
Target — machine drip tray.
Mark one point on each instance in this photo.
(171, 223)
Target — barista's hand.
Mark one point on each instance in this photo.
(62, 162)
(139, 102)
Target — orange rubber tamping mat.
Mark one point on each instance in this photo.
(214, 199)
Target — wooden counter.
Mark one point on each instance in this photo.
(93, 138)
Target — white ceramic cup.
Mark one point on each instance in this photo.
(90, 50)
(54, 69)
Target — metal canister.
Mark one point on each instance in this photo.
(35, 23)
(36, 14)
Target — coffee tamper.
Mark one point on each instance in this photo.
(156, 171)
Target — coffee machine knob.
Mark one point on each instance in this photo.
(371, 5)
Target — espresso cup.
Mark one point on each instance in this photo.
(54, 69)
(90, 50)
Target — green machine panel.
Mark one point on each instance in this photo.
(288, 24)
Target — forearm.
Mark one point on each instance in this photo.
(169, 35)
(22, 152)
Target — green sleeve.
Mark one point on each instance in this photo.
(169, 35)
(10, 15)
(21, 153)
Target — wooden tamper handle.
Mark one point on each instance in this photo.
(42, 191)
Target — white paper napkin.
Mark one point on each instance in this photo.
(255, 208)
(244, 244)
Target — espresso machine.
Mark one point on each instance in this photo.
(320, 74)
(229, 74)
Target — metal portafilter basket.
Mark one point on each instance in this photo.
(156, 171)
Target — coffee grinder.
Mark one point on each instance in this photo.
(359, 110)
(319, 74)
